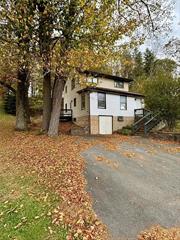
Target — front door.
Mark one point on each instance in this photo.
(105, 125)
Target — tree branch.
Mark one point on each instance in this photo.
(7, 86)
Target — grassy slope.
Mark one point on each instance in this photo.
(25, 206)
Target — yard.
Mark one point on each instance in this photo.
(43, 190)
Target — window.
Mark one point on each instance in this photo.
(74, 102)
(102, 100)
(93, 80)
(66, 89)
(118, 84)
(83, 101)
(73, 83)
(123, 102)
(66, 106)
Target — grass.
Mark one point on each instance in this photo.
(25, 205)
(25, 208)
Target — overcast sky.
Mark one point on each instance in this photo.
(176, 23)
(156, 46)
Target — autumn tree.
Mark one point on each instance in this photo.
(60, 30)
(96, 27)
(16, 31)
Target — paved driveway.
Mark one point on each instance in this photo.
(135, 186)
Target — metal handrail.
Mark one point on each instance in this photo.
(140, 120)
(150, 120)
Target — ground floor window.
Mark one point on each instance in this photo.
(74, 102)
(102, 100)
(123, 102)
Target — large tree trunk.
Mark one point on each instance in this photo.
(47, 101)
(21, 103)
(56, 106)
(28, 115)
(45, 34)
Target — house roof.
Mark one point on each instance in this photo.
(107, 76)
(111, 91)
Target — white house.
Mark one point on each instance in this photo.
(104, 105)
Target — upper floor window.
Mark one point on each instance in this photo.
(119, 84)
(102, 100)
(73, 83)
(83, 101)
(93, 80)
(123, 102)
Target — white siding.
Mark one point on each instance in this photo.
(110, 84)
(113, 105)
(69, 97)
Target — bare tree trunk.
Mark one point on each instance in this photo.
(21, 106)
(28, 116)
(47, 101)
(56, 106)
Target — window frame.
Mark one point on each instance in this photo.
(116, 84)
(83, 101)
(121, 108)
(99, 105)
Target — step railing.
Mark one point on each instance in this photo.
(140, 113)
(66, 114)
(151, 123)
(139, 123)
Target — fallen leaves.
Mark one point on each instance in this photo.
(160, 233)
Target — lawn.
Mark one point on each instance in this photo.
(42, 187)
(26, 205)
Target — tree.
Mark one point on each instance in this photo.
(16, 30)
(63, 29)
(149, 61)
(138, 64)
(162, 93)
(86, 24)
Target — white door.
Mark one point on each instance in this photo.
(105, 125)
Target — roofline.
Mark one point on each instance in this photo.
(107, 76)
(111, 91)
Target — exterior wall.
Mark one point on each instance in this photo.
(94, 125)
(113, 105)
(119, 125)
(112, 109)
(108, 83)
(79, 114)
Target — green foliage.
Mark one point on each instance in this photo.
(163, 95)
(127, 130)
(10, 103)
(149, 62)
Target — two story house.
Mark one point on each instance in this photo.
(104, 105)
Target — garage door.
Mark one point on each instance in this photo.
(105, 124)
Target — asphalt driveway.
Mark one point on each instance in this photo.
(135, 186)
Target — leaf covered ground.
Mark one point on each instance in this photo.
(43, 189)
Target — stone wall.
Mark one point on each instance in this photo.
(82, 121)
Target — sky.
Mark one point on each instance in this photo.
(176, 22)
(157, 46)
